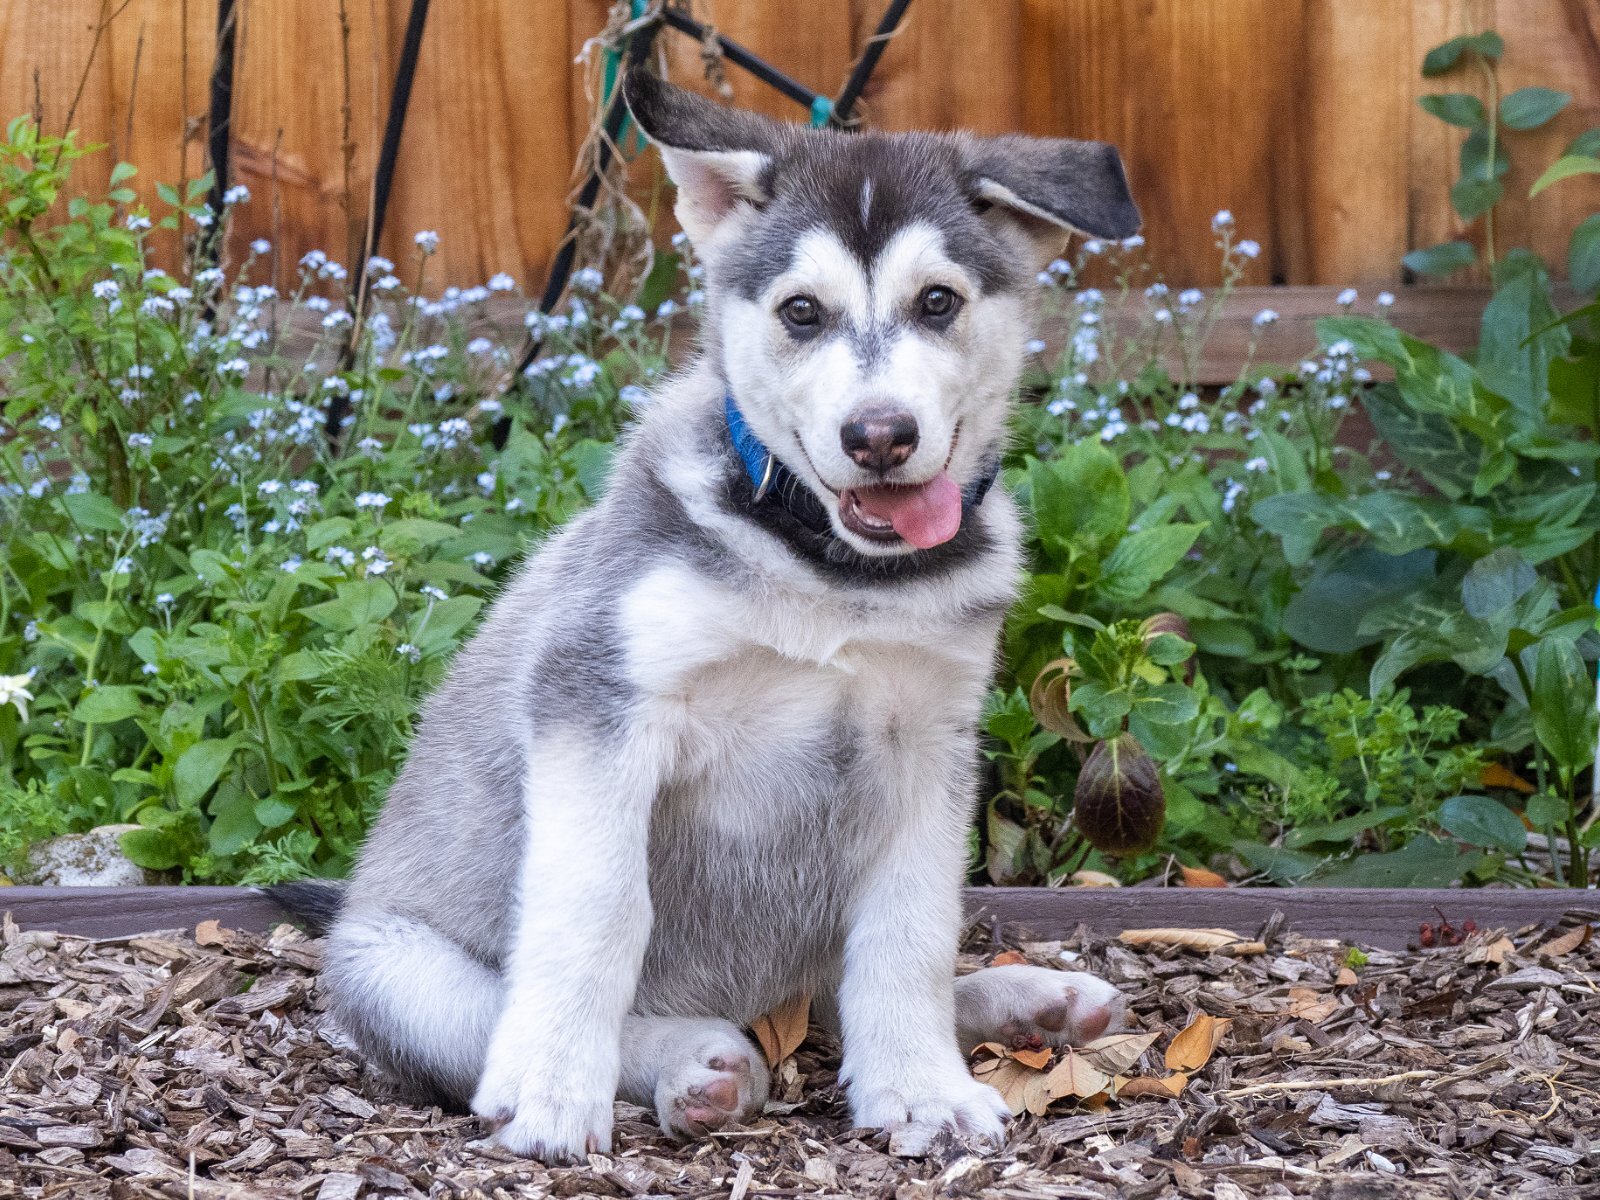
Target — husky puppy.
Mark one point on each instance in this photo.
(714, 747)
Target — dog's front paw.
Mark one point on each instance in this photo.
(533, 1112)
(916, 1114)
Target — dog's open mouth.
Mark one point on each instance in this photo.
(926, 514)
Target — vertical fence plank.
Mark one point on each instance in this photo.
(950, 65)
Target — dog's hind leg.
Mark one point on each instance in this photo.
(698, 1073)
(414, 1001)
(1019, 1005)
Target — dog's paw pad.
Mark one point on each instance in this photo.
(702, 1099)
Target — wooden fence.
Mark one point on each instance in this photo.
(1299, 115)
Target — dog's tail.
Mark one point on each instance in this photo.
(314, 902)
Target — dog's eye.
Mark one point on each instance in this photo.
(801, 311)
(938, 302)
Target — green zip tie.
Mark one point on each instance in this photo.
(613, 61)
(821, 112)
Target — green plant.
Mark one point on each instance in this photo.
(1484, 158)
(225, 618)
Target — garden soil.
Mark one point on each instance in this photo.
(198, 1064)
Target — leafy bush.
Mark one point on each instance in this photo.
(243, 532)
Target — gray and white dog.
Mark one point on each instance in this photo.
(715, 745)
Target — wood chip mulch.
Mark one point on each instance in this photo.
(197, 1064)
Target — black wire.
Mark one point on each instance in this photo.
(405, 75)
(219, 133)
(739, 56)
(857, 83)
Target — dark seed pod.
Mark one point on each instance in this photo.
(1169, 622)
(1049, 697)
(1119, 805)
(1165, 622)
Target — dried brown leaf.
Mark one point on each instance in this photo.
(1193, 1047)
(1008, 958)
(1200, 877)
(1565, 943)
(781, 1031)
(1150, 1087)
(1037, 1059)
(1306, 1004)
(1496, 776)
(1117, 1052)
(1206, 940)
(1346, 978)
(1024, 1089)
(1075, 1075)
(1094, 879)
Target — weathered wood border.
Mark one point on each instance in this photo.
(1371, 917)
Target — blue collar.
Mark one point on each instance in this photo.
(770, 477)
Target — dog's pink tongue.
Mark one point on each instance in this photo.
(925, 516)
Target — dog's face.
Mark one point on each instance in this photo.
(869, 293)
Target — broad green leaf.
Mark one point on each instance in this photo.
(93, 511)
(1481, 821)
(1496, 582)
(152, 849)
(1583, 257)
(1471, 198)
(1565, 168)
(1082, 497)
(1564, 705)
(1421, 862)
(1446, 55)
(273, 812)
(1531, 107)
(199, 768)
(1299, 519)
(122, 171)
(1457, 108)
(233, 821)
(1521, 335)
(1545, 810)
(1436, 447)
(1142, 558)
(1475, 161)
(1444, 259)
(1168, 704)
(1343, 830)
(1326, 614)
(109, 703)
(363, 602)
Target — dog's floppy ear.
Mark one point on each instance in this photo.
(719, 157)
(1072, 186)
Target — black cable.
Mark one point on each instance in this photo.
(219, 133)
(561, 268)
(739, 56)
(405, 75)
(857, 83)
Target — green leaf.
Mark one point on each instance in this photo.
(1520, 336)
(1481, 821)
(152, 849)
(1299, 519)
(1565, 168)
(1344, 830)
(1168, 704)
(1082, 497)
(233, 821)
(1496, 582)
(1544, 810)
(1444, 259)
(104, 705)
(1475, 161)
(168, 194)
(1564, 705)
(1446, 55)
(302, 664)
(1436, 447)
(1531, 107)
(1422, 862)
(363, 602)
(121, 172)
(273, 812)
(1471, 198)
(93, 511)
(1583, 257)
(199, 768)
(1326, 614)
(1143, 558)
(1456, 108)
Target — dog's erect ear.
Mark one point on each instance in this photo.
(717, 156)
(1071, 186)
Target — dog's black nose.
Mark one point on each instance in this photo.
(879, 438)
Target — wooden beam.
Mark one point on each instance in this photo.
(1386, 918)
